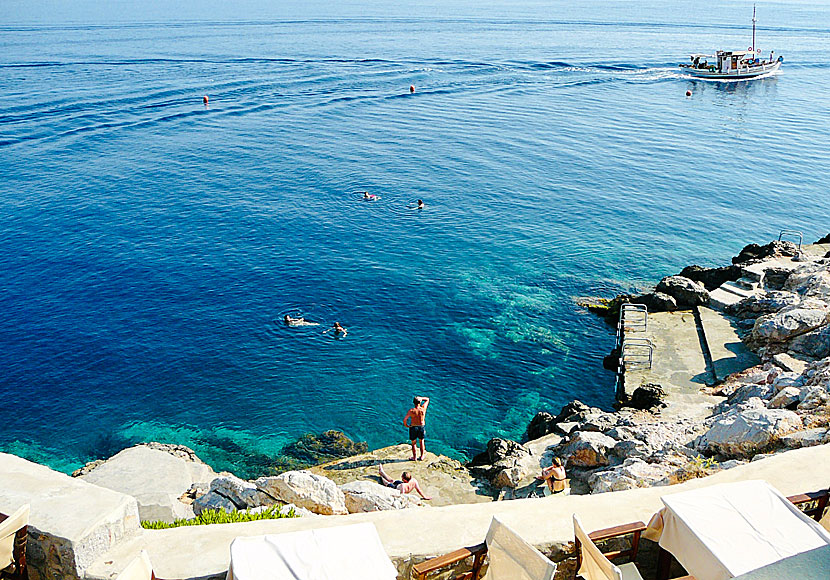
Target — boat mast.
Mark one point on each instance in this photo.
(753, 28)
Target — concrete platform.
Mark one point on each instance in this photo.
(679, 365)
(729, 355)
(412, 535)
(72, 523)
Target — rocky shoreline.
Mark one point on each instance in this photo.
(781, 404)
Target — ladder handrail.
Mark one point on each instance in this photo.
(786, 232)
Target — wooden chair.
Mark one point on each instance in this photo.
(13, 534)
(511, 558)
(812, 503)
(592, 564)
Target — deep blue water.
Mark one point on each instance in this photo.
(150, 246)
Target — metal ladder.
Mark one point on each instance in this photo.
(793, 234)
(635, 351)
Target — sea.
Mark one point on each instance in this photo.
(151, 245)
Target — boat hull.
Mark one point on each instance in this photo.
(743, 73)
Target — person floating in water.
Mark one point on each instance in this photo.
(417, 205)
(337, 329)
(420, 204)
(417, 423)
(405, 484)
(298, 321)
(370, 196)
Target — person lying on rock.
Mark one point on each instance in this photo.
(404, 485)
(555, 476)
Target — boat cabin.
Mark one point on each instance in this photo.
(730, 60)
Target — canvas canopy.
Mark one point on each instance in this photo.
(726, 530)
(341, 553)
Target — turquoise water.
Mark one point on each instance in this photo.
(151, 246)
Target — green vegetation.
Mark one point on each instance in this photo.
(697, 467)
(220, 516)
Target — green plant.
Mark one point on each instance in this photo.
(698, 466)
(220, 516)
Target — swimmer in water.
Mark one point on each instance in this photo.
(337, 329)
(370, 196)
(298, 321)
(418, 205)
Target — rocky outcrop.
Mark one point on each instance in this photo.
(686, 292)
(502, 464)
(308, 490)
(712, 278)
(157, 475)
(588, 449)
(789, 322)
(368, 496)
(647, 397)
(754, 252)
(541, 424)
(632, 473)
(231, 493)
(744, 432)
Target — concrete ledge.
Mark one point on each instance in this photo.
(412, 535)
(72, 523)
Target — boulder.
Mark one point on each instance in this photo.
(656, 302)
(156, 476)
(501, 449)
(307, 490)
(788, 379)
(789, 364)
(685, 291)
(744, 393)
(632, 448)
(648, 396)
(807, 438)
(509, 477)
(571, 409)
(767, 303)
(368, 496)
(231, 493)
(540, 425)
(812, 398)
(754, 252)
(814, 344)
(787, 398)
(787, 323)
(712, 278)
(815, 286)
(565, 427)
(588, 449)
(776, 278)
(824, 240)
(745, 432)
(599, 422)
(632, 473)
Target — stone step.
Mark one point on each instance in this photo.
(720, 299)
(737, 289)
(747, 284)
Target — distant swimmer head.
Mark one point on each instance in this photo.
(688, 93)
(205, 100)
(411, 88)
(420, 204)
(287, 319)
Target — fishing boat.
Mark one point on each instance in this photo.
(733, 64)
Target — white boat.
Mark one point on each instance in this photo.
(733, 64)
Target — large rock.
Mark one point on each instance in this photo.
(599, 422)
(807, 438)
(787, 398)
(157, 477)
(753, 252)
(744, 393)
(540, 425)
(685, 291)
(656, 302)
(326, 446)
(811, 284)
(743, 433)
(588, 449)
(648, 396)
(231, 493)
(368, 496)
(712, 278)
(305, 489)
(501, 449)
(788, 323)
(767, 303)
(812, 398)
(503, 463)
(632, 473)
(814, 344)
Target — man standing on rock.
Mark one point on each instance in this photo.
(417, 420)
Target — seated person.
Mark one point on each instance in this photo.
(555, 476)
(404, 485)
